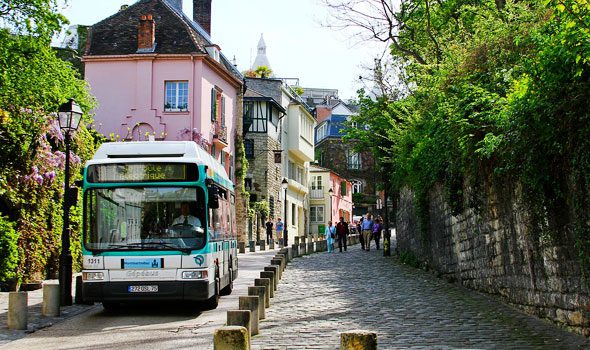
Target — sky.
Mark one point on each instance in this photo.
(298, 46)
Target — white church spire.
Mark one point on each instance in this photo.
(261, 59)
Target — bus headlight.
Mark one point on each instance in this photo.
(93, 276)
(194, 275)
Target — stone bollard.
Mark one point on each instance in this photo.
(279, 263)
(275, 269)
(264, 282)
(231, 338)
(17, 310)
(242, 247)
(358, 340)
(283, 257)
(242, 318)
(310, 248)
(297, 240)
(259, 292)
(271, 245)
(252, 246)
(295, 250)
(303, 239)
(51, 300)
(262, 245)
(271, 275)
(251, 303)
(302, 250)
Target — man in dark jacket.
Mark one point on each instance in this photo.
(342, 232)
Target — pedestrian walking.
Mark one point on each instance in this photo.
(342, 233)
(330, 236)
(377, 227)
(279, 227)
(360, 232)
(367, 227)
(269, 227)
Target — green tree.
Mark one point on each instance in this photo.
(33, 83)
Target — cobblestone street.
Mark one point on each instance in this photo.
(323, 294)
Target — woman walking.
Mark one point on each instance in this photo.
(330, 236)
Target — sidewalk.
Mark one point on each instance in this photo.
(36, 319)
(250, 266)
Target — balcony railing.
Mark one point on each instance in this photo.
(220, 133)
(317, 193)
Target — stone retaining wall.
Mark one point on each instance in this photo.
(490, 249)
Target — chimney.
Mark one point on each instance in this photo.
(146, 33)
(202, 14)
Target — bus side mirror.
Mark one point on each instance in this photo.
(213, 197)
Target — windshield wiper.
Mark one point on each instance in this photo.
(121, 246)
(168, 245)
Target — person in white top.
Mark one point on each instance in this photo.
(186, 218)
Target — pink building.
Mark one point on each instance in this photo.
(330, 198)
(156, 74)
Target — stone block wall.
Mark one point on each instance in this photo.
(490, 247)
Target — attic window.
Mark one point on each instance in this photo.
(213, 51)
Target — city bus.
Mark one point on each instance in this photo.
(158, 225)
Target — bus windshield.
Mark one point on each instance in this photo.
(145, 218)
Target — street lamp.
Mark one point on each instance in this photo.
(285, 185)
(69, 115)
(330, 192)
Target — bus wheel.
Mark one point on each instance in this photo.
(230, 286)
(212, 302)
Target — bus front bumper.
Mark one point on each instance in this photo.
(144, 291)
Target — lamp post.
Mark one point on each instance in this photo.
(330, 192)
(69, 115)
(285, 185)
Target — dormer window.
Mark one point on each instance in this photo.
(176, 99)
(213, 51)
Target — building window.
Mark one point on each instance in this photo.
(295, 172)
(316, 182)
(293, 212)
(223, 162)
(322, 131)
(316, 214)
(306, 128)
(249, 148)
(176, 99)
(353, 160)
(357, 186)
(271, 206)
(248, 184)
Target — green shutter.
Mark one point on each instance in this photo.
(213, 105)
(343, 188)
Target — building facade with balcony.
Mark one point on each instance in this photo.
(271, 106)
(156, 74)
(298, 145)
(339, 155)
(330, 197)
(263, 116)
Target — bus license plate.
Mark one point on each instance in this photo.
(142, 289)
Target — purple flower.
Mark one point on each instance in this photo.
(38, 179)
(50, 176)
